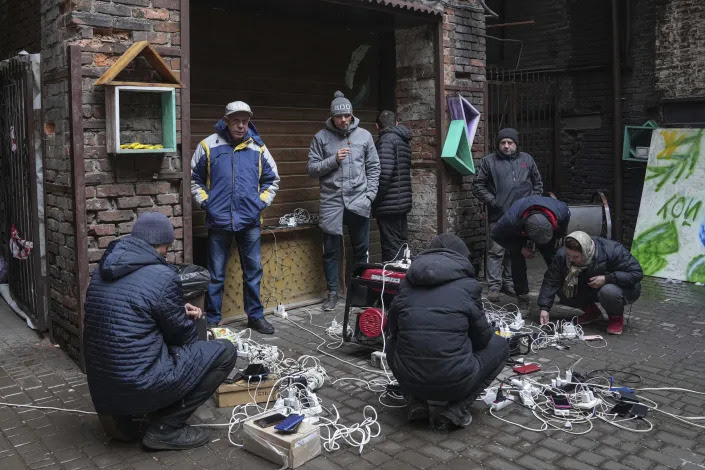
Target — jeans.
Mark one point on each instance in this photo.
(178, 413)
(393, 233)
(359, 231)
(611, 296)
(499, 267)
(491, 360)
(521, 282)
(248, 247)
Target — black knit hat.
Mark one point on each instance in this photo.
(538, 228)
(153, 228)
(451, 242)
(508, 133)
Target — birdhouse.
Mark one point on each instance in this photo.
(140, 117)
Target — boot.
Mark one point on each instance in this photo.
(592, 314)
(614, 324)
(493, 295)
(418, 410)
(166, 437)
(330, 302)
(524, 302)
(508, 289)
(261, 325)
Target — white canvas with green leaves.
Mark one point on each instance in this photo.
(669, 239)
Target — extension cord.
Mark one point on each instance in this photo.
(568, 331)
(527, 399)
(496, 406)
(518, 323)
(490, 397)
(561, 413)
(586, 400)
(281, 311)
(378, 359)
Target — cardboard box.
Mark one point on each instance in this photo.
(288, 450)
(241, 393)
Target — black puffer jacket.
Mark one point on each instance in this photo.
(435, 324)
(394, 192)
(611, 259)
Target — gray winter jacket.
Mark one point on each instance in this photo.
(352, 185)
(500, 181)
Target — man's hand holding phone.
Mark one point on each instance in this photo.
(193, 312)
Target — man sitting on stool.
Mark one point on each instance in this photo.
(543, 220)
(440, 345)
(588, 270)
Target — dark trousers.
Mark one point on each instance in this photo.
(393, 233)
(248, 246)
(521, 281)
(491, 361)
(359, 231)
(611, 296)
(178, 413)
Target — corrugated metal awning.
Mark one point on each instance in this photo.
(400, 6)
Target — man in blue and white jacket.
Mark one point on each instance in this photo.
(234, 178)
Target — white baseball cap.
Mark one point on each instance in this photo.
(238, 106)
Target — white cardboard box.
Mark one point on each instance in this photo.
(289, 450)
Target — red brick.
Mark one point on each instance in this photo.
(166, 210)
(103, 242)
(167, 27)
(134, 201)
(115, 216)
(156, 14)
(107, 190)
(90, 192)
(97, 205)
(167, 198)
(94, 255)
(158, 187)
(125, 228)
(168, 4)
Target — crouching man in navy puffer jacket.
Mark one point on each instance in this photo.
(141, 350)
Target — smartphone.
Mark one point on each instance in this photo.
(234, 376)
(270, 420)
(638, 410)
(527, 369)
(255, 372)
(621, 408)
(560, 402)
(290, 424)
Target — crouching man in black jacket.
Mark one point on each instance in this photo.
(543, 220)
(440, 345)
(588, 270)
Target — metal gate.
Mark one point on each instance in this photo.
(528, 102)
(22, 182)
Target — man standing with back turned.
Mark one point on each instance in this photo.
(503, 177)
(344, 159)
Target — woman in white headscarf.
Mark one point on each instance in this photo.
(587, 270)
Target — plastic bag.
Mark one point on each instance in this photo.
(194, 279)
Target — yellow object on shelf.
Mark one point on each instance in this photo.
(138, 146)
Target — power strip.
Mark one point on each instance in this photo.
(378, 359)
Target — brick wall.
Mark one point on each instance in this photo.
(680, 42)
(60, 217)
(464, 53)
(464, 65)
(118, 188)
(20, 27)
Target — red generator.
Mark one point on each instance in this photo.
(368, 285)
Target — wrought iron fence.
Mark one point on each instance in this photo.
(22, 186)
(526, 101)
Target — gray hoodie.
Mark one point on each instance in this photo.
(352, 185)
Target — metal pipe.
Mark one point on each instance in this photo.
(515, 23)
(617, 124)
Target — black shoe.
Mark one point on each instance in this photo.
(524, 301)
(165, 437)
(418, 410)
(330, 301)
(445, 421)
(509, 290)
(261, 325)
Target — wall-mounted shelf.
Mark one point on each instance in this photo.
(113, 118)
(637, 140)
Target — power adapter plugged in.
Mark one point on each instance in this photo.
(281, 311)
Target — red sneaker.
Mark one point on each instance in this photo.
(614, 324)
(592, 314)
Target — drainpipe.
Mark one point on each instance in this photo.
(617, 125)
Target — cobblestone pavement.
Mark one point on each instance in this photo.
(663, 343)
